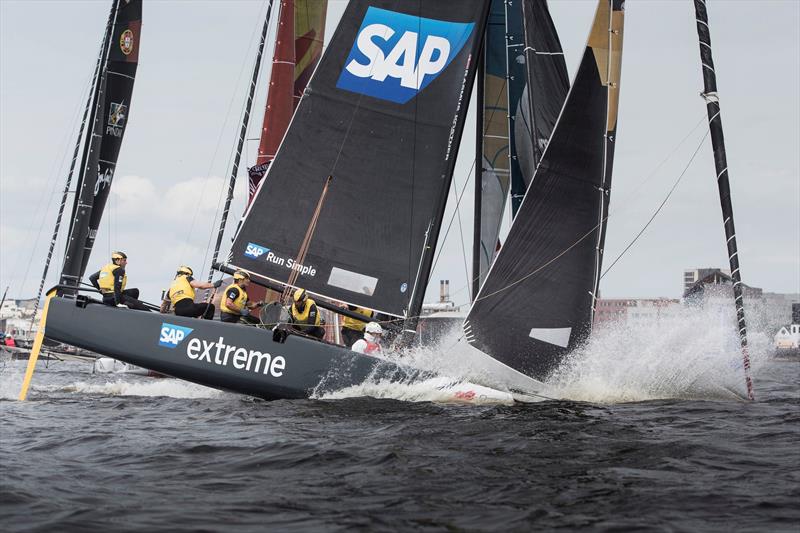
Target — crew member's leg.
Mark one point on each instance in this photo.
(130, 297)
(230, 318)
(187, 307)
(350, 336)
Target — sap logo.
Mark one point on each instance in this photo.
(255, 251)
(172, 335)
(395, 56)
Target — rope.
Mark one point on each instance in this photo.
(301, 254)
(658, 210)
(216, 150)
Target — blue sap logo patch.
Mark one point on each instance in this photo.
(172, 335)
(395, 55)
(254, 250)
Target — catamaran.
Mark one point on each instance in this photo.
(351, 207)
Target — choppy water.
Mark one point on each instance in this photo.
(649, 439)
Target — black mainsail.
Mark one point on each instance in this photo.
(110, 109)
(538, 298)
(383, 116)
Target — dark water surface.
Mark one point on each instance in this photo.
(100, 453)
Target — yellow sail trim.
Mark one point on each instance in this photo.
(605, 40)
(37, 347)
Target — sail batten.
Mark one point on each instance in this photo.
(382, 115)
(537, 301)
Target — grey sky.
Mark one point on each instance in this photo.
(195, 63)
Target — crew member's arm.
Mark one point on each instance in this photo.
(312, 315)
(118, 274)
(230, 298)
(203, 285)
(93, 279)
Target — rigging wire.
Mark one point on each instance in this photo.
(587, 234)
(632, 193)
(57, 168)
(231, 154)
(655, 213)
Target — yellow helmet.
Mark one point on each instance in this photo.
(118, 255)
(241, 274)
(183, 269)
(299, 295)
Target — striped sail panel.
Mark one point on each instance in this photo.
(543, 282)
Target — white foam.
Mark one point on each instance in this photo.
(152, 387)
(693, 353)
(438, 389)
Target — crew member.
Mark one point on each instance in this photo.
(353, 329)
(181, 295)
(371, 343)
(111, 280)
(304, 316)
(234, 306)
(9, 341)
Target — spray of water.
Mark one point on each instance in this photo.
(173, 388)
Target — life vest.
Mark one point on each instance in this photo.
(373, 348)
(180, 290)
(238, 303)
(355, 324)
(106, 279)
(302, 318)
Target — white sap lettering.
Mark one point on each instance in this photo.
(206, 351)
(192, 348)
(239, 358)
(279, 363)
(369, 49)
(428, 65)
(164, 330)
(400, 62)
(259, 358)
(254, 250)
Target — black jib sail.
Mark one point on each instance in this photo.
(537, 301)
(547, 83)
(120, 73)
(383, 116)
(109, 116)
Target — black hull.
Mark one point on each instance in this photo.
(231, 357)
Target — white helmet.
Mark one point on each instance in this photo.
(374, 328)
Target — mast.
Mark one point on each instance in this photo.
(242, 133)
(476, 232)
(426, 264)
(79, 232)
(72, 260)
(720, 161)
(65, 194)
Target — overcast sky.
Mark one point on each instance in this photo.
(194, 67)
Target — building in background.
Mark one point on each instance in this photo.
(16, 317)
(634, 310)
(693, 275)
